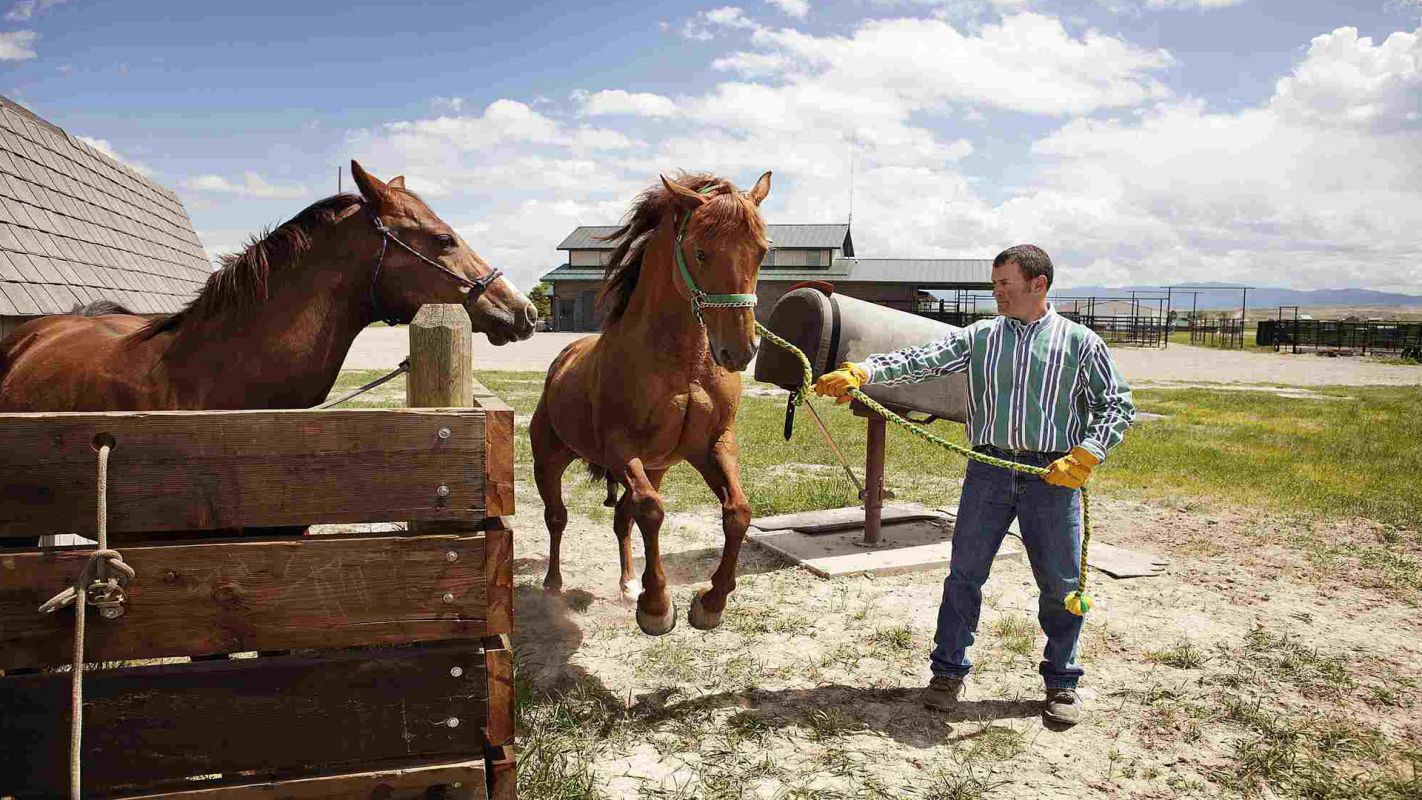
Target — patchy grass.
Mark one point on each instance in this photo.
(1183, 655)
(1334, 458)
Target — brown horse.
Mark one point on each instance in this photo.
(272, 327)
(659, 387)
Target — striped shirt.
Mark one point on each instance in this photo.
(1047, 385)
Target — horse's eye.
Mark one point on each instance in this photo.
(700, 254)
(444, 240)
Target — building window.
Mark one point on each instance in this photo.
(812, 259)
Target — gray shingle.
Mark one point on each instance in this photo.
(87, 225)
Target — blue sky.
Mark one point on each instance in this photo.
(1274, 142)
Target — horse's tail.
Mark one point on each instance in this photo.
(98, 308)
(599, 473)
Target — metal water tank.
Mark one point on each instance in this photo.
(833, 328)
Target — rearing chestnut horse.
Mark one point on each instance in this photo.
(273, 326)
(662, 384)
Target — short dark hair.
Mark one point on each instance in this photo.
(1033, 260)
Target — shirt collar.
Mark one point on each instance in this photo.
(1044, 320)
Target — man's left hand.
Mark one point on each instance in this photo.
(1073, 469)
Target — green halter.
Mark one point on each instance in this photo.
(700, 299)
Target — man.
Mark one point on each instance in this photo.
(1042, 390)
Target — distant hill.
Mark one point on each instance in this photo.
(1225, 297)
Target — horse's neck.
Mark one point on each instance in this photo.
(658, 320)
(288, 351)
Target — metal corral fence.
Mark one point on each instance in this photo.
(1379, 336)
(1226, 333)
(1140, 330)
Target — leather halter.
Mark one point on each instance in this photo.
(477, 287)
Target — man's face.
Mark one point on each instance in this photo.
(1015, 295)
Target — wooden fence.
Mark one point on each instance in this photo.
(258, 664)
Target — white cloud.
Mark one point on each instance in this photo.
(1347, 81)
(454, 104)
(250, 185)
(925, 62)
(704, 26)
(25, 9)
(798, 9)
(17, 45)
(1313, 187)
(103, 146)
(1192, 3)
(610, 102)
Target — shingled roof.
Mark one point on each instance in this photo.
(77, 226)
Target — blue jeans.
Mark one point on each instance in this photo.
(1050, 520)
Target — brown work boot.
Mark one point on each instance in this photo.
(1062, 706)
(942, 693)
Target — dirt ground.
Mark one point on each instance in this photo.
(1217, 675)
(380, 347)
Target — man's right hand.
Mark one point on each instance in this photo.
(838, 383)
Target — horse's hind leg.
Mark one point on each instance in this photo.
(551, 458)
(723, 474)
(622, 528)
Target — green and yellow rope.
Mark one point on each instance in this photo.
(1078, 602)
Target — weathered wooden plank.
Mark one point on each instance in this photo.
(503, 783)
(461, 781)
(153, 728)
(181, 470)
(499, 452)
(499, 666)
(498, 575)
(224, 596)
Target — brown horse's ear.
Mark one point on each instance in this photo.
(688, 199)
(397, 182)
(761, 188)
(371, 187)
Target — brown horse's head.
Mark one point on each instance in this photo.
(723, 245)
(406, 282)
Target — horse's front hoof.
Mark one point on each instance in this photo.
(700, 617)
(657, 626)
(552, 588)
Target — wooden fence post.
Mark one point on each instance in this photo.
(441, 358)
(441, 371)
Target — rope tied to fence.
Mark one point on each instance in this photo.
(103, 584)
(1077, 602)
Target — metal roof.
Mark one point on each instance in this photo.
(76, 226)
(783, 237)
(968, 273)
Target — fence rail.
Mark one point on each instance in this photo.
(1379, 336)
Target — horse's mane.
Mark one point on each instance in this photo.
(728, 213)
(241, 282)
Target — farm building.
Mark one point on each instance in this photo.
(798, 253)
(77, 226)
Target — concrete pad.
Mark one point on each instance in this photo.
(837, 519)
(905, 547)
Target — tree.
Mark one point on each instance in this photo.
(541, 299)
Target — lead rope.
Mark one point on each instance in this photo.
(105, 575)
(1078, 602)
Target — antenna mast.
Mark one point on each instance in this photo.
(851, 180)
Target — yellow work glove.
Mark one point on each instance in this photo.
(838, 383)
(1073, 469)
